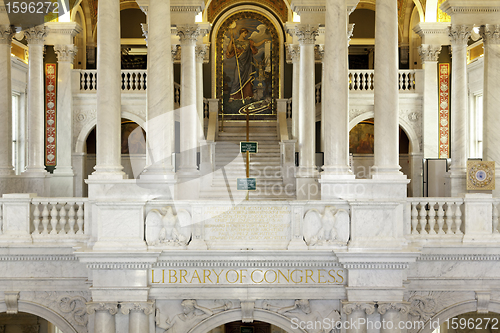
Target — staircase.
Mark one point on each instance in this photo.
(265, 165)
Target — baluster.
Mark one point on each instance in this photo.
(369, 81)
(449, 218)
(432, 219)
(136, 81)
(45, 218)
(71, 218)
(36, 218)
(495, 219)
(53, 218)
(412, 81)
(356, 81)
(318, 95)
(423, 220)
(440, 220)
(144, 79)
(123, 80)
(350, 81)
(400, 77)
(458, 218)
(177, 95)
(82, 80)
(140, 81)
(62, 219)
(414, 218)
(79, 218)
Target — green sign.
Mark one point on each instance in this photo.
(250, 147)
(246, 184)
(246, 329)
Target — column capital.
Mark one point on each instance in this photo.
(459, 34)
(65, 53)
(36, 35)
(188, 33)
(350, 307)
(429, 52)
(490, 33)
(6, 34)
(111, 307)
(402, 307)
(201, 52)
(306, 33)
(146, 307)
(294, 52)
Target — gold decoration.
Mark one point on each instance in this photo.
(481, 175)
(442, 16)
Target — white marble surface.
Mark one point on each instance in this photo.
(6, 35)
(294, 51)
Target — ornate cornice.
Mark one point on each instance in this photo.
(306, 33)
(459, 34)
(240, 263)
(383, 308)
(459, 257)
(490, 33)
(6, 34)
(350, 307)
(429, 52)
(195, 9)
(38, 258)
(36, 35)
(111, 307)
(188, 33)
(378, 265)
(65, 53)
(119, 265)
(146, 307)
(450, 9)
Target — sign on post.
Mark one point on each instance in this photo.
(246, 184)
(250, 147)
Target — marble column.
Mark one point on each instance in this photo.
(336, 93)
(64, 170)
(201, 51)
(108, 129)
(6, 34)
(391, 315)
(459, 35)
(160, 125)
(306, 34)
(104, 321)
(386, 92)
(491, 93)
(35, 37)
(429, 54)
(356, 314)
(138, 312)
(188, 35)
(294, 51)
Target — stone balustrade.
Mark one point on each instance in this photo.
(58, 216)
(436, 217)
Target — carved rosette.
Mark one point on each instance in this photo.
(201, 52)
(383, 308)
(306, 33)
(350, 307)
(146, 307)
(294, 52)
(65, 53)
(188, 33)
(490, 33)
(6, 34)
(459, 34)
(36, 35)
(111, 307)
(429, 52)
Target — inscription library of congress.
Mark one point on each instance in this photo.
(237, 166)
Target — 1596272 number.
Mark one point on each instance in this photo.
(472, 323)
(32, 7)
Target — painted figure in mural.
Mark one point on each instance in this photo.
(243, 49)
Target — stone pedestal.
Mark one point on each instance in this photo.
(459, 35)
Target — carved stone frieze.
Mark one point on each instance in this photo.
(166, 229)
(6, 34)
(328, 229)
(293, 54)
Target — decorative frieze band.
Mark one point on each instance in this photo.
(188, 33)
(350, 307)
(65, 53)
(38, 258)
(111, 307)
(429, 52)
(146, 307)
(383, 308)
(368, 265)
(232, 264)
(459, 34)
(36, 35)
(121, 265)
(6, 34)
(490, 33)
(458, 257)
(306, 33)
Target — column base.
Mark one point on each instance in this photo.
(336, 172)
(7, 171)
(108, 172)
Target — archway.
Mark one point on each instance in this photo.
(222, 318)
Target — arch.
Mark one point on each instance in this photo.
(215, 30)
(222, 318)
(209, 2)
(366, 4)
(43, 312)
(458, 309)
(87, 17)
(410, 132)
(129, 5)
(89, 126)
(420, 9)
